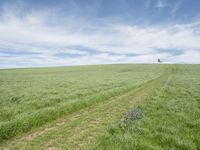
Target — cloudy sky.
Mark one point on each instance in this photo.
(37, 33)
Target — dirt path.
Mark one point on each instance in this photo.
(78, 130)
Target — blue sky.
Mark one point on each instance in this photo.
(36, 33)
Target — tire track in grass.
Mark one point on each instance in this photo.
(78, 130)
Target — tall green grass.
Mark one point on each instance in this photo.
(32, 97)
(171, 117)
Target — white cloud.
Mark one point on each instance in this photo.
(175, 7)
(161, 4)
(187, 57)
(33, 33)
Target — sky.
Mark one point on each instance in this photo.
(39, 33)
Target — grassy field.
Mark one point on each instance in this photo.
(81, 107)
(32, 97)
(171, 120)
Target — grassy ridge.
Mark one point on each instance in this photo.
(32, 97)
(171, 119)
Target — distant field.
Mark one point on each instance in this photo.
(82, 107)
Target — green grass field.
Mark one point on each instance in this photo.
(172, 117)
(80, 107)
